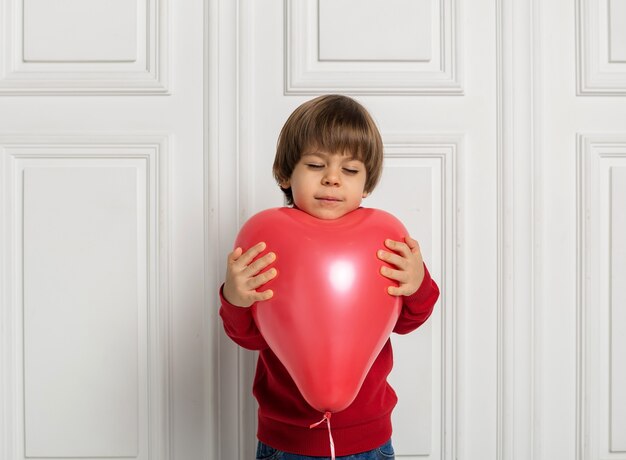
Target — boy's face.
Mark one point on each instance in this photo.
(327, 185)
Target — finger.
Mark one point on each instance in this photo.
(251, 253)
(261, 279)
(261, 296)
(411, 243)
(258, 265)
(397, 275)
(233, 256)
(393, 259)
(398, 246)
(399, 290)
(414, 246)
(395, 291)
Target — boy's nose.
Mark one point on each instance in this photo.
(330, 179)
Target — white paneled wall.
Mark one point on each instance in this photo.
(504, 126)
(349, 32)
(601, 47)
(424, 170)
(87, 359)
(84, 47)
(103, 352)
(94, 335)
(617, 312)
(617, 31)
(344, 46)
(602, 305)
(91, 30)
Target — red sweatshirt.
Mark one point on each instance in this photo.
(284, 415)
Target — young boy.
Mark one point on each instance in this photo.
(329, 157)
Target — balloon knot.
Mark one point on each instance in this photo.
(326, 419)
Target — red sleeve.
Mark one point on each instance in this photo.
(417, 307)
(240, 326)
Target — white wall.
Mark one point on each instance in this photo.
(137, 135)
(102, 344)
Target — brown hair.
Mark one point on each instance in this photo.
(335, 124)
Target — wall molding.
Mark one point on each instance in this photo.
(595, 74)
(149, 74)
(227, 147)
(596, 154)
(306, 74)
(519, 219)
(211, 143)
(153, 149)
(446, 148)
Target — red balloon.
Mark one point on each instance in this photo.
(330, 314)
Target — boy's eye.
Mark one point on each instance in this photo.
(350, 171)
(315, 166)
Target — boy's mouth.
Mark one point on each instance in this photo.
(327, 198)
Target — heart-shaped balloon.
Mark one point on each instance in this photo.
(330, 314)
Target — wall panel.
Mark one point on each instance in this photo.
(617, 292)
(602, 312)
(84, 47)
(419, 186)
(80, 30)
(601, 56)
(617, 30)
(352, 30)
(323, 52)
(87, 347)
(85, 326)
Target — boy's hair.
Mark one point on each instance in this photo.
(334, 124)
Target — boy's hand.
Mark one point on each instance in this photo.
(242, 278)
(409, 264)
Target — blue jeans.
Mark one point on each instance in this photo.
(384, 452)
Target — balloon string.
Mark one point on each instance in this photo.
(330, 435)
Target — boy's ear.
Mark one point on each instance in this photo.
(366, 194)
(284, 184)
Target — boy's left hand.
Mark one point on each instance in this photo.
(409, 272)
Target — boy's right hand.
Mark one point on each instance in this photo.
(243, 278)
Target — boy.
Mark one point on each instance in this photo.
(329, 157)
